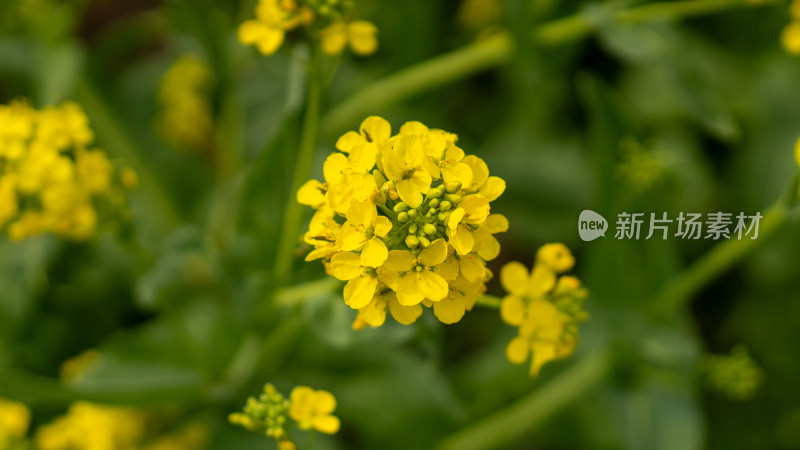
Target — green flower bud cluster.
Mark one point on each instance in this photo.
(265, 414)
(419, 227)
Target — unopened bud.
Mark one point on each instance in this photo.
(412, 213)
(424, 241)
(434, 203)
(429, 229)
(434, 193)
(400, 207)
(412, 228)
(445, 205)
(454, 198)
(412, 241)
(453, 187)
(402, 217)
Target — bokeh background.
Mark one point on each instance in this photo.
(696, 115)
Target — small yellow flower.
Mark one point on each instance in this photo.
(361, 35)
(313, 409)
(547, 309)
(92, 427)
(14, 420)
(185, 117)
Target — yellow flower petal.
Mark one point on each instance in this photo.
(362, 158)
(345, 266)
(408, 291)
(449, 268)
(381, 226)
(334, 167)
(350, 238)
(449, 310)
(334, 38)
(480, 171)
(542, 354)
(359, 291)
(496, 223)
(462, 240)
(252, 31)
(405, 315)
(374, 314)
(311, 194)
(556, 256)
(512, 310)
(790, 38)
(542, 280)
(362, 37)
(472, 267)
(457, 172)
(270, 42)
(435, 254)
(376, 129)
(476, 209)
(455, 219)
(374, 253)
(517, 350)
(409, 193)
(493, 188)
(399, 261)
(349, 141)
(433, 286)
(327, 424)
(515, 278)
(324, 402)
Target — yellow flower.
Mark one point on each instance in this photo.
(406, 220)
(797, 152)
(185, 116)
(88, 426)
(267, 32)
(313, 409)
(790, 38)
(14, 420)
(265, 414)
(547, 309)
(361, 35)
(49, 180)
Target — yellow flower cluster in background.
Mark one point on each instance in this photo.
(736, 376)
(308, 408)
(790, 37)
(50, 181)
(405, 220)
(328, 20)
(14, 421)
(88, 426)
(186, 119)
(546, 307)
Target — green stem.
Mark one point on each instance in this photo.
(496, 50)
(719, 259)
(421, 77)
(296, 294)
(294, 212)
(112, 135)
(521, 417)
(489, 301)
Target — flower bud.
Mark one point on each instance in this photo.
(412, 213)
(412, 229)
(402, 217)
(453, 187)
(380, 180)
(424, 241)
(400, 207)
(454, 198)
(429, 229)
(412, 241)
(434, 193)
(379, 198)
(442, 217)
(445, 205)
(434, 203)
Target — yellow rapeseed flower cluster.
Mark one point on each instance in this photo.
(327, 20)
(736, 376)
(186, 118)
(50, 181)
(545, 306)
(267, 414)
(405, 220)
(790, 37)
(14, 421)
(88, 426)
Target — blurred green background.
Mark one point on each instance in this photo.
(694, 115)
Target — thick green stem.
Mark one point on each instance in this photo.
(418, 78)
(489, 301)
(293, 212)
(496, 50)
(719, 259)
(524, 415)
